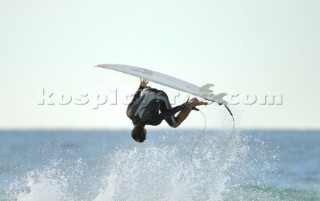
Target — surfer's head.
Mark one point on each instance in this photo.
(139, 133)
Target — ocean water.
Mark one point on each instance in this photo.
(91, 165)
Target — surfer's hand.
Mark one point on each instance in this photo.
(144, 83)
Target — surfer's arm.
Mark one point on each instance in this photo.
(143, 84)
(136, 95)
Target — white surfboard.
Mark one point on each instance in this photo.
(204, 92)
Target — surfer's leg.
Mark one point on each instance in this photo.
(183, 114)
(165, 106)
(173, 121)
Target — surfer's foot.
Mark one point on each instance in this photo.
(194, 102)
(198, 102)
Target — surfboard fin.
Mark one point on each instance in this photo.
(218, 98)
(206, 88)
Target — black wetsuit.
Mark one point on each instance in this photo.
(151, 108)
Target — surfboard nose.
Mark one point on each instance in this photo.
(102, 65)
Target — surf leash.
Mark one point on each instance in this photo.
(201, 135)
(230, 136)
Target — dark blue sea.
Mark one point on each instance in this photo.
(171, 165)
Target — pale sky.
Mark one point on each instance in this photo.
(250, 47)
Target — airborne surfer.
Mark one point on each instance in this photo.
(152, 107)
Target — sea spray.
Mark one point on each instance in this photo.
(59, 181)
(45, 186)
(159, 169)
(159, 172)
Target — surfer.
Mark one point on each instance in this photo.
(144, 110)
